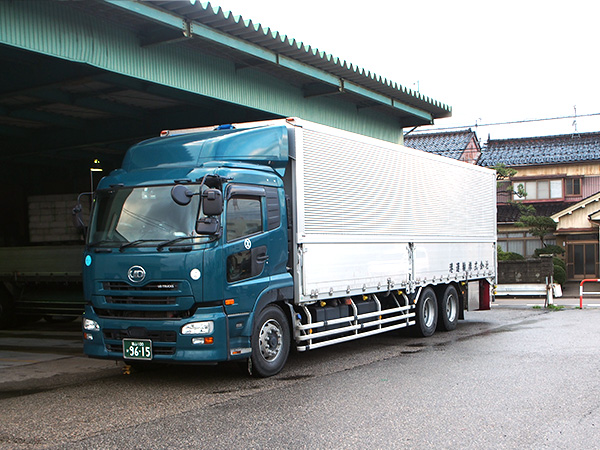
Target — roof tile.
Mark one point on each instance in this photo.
(451, 144)
(567, 148)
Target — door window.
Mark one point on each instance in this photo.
(244, 217)
(239, 266)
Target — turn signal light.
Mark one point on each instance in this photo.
(229, 302)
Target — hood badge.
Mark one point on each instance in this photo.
(136, 274)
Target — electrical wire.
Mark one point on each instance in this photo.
(512, 122)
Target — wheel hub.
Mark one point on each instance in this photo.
(270, 339)
(451, 308)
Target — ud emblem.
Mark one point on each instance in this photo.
(136, 274)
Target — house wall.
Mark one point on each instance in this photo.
(569, 170)
(589, 173)
(590, 186)
(579, 237)
(519, 240)
(575, 233)
(471, 153)
(579, 219)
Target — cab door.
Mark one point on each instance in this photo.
(246, 248)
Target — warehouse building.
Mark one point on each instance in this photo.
(82, 81)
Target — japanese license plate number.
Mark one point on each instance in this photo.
(137, 349)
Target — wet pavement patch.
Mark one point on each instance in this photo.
(22, 392)
(296, 377)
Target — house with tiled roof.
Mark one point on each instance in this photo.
(462, 145)
(561, 178)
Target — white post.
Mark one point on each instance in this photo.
(549, 288)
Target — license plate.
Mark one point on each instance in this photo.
(137, 349)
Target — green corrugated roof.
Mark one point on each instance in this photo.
(110, 66)
(279, 46)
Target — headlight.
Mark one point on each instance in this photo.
(198, 328)
(90, 325)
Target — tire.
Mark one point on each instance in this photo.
(270, 342)
(448, 309)
(427, 313)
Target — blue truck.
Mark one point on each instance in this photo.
(238, 242)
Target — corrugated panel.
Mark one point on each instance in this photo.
(237, 26)
(63, 31)
(590, 186)
(359, 187)
(106, 37)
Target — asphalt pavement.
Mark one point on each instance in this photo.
(517, 376)
(43, 355)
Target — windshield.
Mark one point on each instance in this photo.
(141, 214)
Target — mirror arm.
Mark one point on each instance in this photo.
(78, 222)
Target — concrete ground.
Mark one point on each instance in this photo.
(46, 354)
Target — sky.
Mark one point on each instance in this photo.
(491, 61)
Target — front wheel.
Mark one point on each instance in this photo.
(270, 342)
(427, 313)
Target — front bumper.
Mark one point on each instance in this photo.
(168, 344)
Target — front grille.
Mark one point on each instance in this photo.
(141, 333)
(128, 300)
(149, 315)
(161, 286)
(122, 293)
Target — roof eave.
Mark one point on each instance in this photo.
(413, 107)
(579, 205)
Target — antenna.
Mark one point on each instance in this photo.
(575, 120)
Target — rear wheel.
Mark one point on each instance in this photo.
(270, 342)
(448, 309)
(427, 313)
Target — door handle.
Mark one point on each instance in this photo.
(262, 258)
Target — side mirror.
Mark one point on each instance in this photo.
(77, 215)
(181, 195)
(208, 225)
(212, 202)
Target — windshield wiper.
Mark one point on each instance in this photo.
(100, 242)
(159, 247)
(136, 242)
